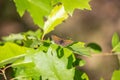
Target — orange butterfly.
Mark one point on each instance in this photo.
(61, 41)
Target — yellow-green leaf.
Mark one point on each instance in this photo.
(116, 75)
(115, 39)
(56, 17)
(71, 5)
(11, 50)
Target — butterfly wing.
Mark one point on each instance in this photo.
(61, 41)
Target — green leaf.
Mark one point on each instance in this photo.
(115, 39)
(79, 75)
(57, 15)
(70, 5)
(33, 34)
(39, 65)
(25, 71)
(94, 48)
(51, 67)
(85, 76)
(11, 50)
(16, 38)
(116, 75)
(116, 48)
(13, 37)
(82, 63)
(12, 60)
(79, 48)
(1, 43)
(38, 9)
(29, 39)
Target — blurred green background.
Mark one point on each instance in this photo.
(97, 25)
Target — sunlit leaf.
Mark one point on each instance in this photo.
(33, 34)
(11, 50)
(56, 17)
(51, 67)
(47, 65)
(85, 76)
(13, 37)
(38, 9)
(115, 43)
(79, 48)
(116, 75)
(70, 5)
(12, 60)
(115, 40)
(116, 48)
(25, 71)
(82, 63)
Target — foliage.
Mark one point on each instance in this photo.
(54, 10)
(11, 52)
(33, 58)
(46, 64)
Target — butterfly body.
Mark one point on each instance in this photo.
(60, 41)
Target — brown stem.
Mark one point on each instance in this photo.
(4, 75)
(3, 71)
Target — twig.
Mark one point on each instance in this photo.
(4, 75)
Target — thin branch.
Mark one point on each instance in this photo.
(7, 67)
(1, 73)
(4, 75)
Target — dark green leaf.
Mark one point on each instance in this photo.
(70, 62)
(95, 48)
(60, 52)
(79, 75)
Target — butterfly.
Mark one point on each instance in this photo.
(61, 41)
